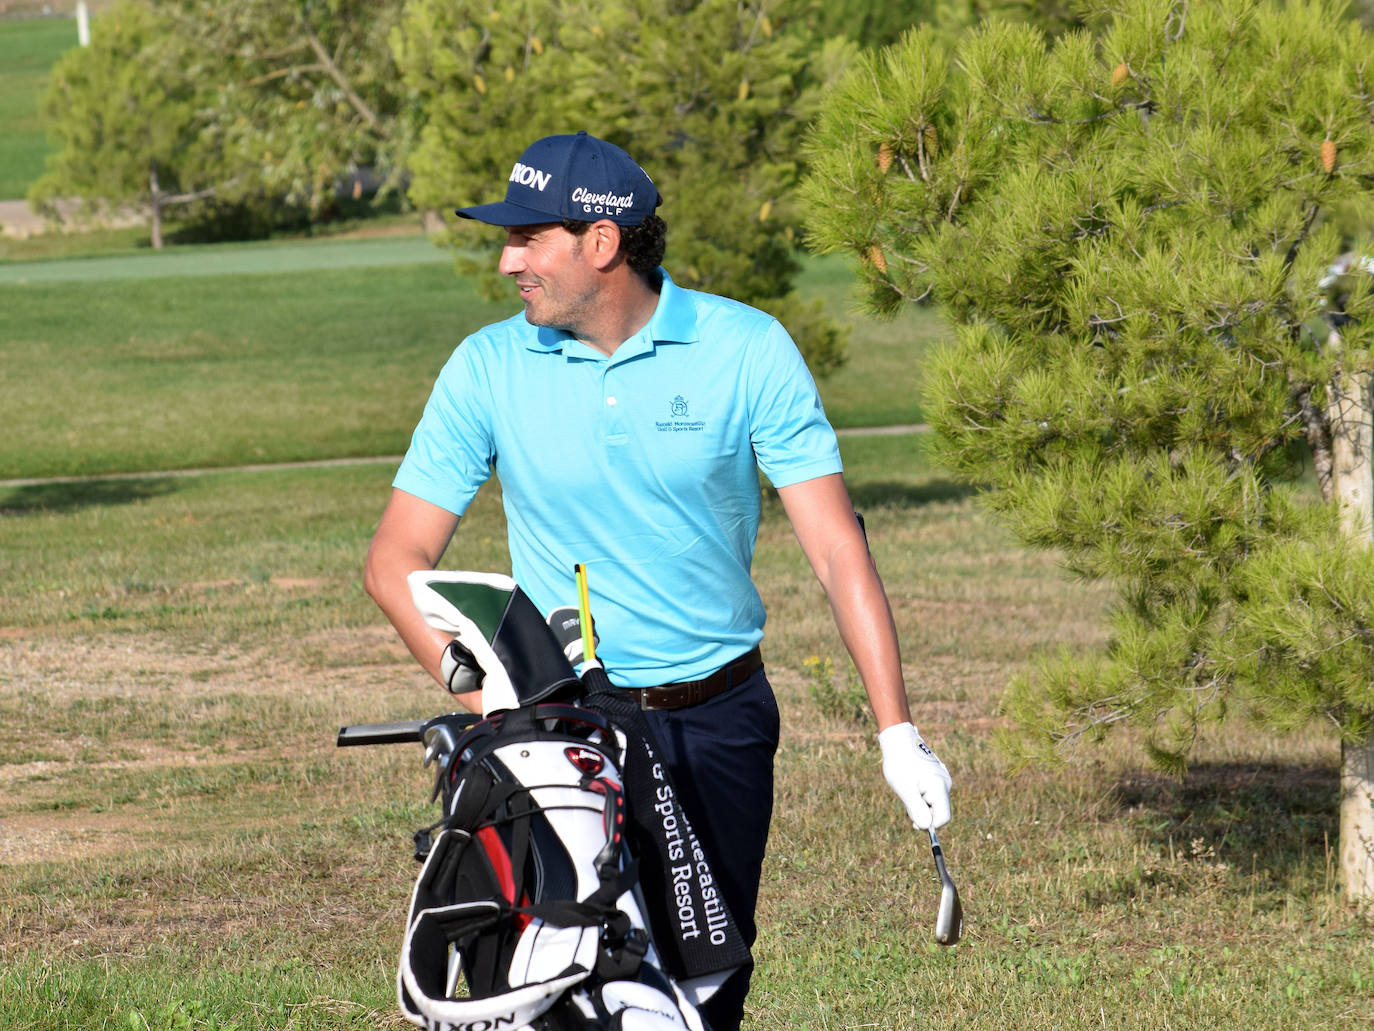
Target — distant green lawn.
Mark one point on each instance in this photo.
(132, 375)
(881, 383)
(269, 258)
(205, 363)
(27, 52)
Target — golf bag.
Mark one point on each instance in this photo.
(528, 912)
(528, 894)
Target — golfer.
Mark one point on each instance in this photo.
(626, 419)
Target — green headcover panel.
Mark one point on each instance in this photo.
(484, 604)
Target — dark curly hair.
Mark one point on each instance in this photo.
(643, 245)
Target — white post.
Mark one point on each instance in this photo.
(83, 24)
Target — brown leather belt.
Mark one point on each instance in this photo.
(692, 692)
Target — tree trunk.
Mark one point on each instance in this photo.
(1357, 819)
(1352, 474)
(155, 208)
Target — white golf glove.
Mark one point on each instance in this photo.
(917, 776)
(458, 666)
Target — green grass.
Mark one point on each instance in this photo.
(274, 258)
(287, 362)
(27, 52)
(235, 554)
(206, 371)
(184, 848)
(93, 243)
(880, 385)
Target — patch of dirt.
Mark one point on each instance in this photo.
(285, 583)
(97, 711)
(298, 583)
(55, 837)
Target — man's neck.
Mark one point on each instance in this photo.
(635, 304)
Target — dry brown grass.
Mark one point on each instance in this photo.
(173, 811)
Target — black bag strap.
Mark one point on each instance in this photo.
(694, 934)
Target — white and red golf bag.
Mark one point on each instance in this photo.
(528, 912)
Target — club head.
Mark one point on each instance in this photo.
(949, 919)
(439, 744)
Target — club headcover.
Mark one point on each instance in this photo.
(492, 617)
(566, 624)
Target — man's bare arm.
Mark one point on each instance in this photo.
(412, 534)
(823, 518)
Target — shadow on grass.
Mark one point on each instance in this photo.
(69, 497)
(1272, 818)
(905, 495)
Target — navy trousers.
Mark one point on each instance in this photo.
(720, 754)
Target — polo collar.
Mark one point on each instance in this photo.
(674, 321)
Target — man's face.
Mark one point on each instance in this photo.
(557, 285)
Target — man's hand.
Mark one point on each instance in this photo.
(917, 776)
(459, 670)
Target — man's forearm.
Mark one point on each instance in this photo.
(391, 592)
(864, 619)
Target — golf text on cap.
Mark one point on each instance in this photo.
(527, 176)
(602, 203)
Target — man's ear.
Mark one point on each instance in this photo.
(602, 242)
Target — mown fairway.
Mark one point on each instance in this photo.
(182, 847)
(324, 349)
(27, 52)
(129, 375)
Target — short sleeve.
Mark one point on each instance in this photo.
(792, 439)
(451, 451)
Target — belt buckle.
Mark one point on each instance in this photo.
(645, 700)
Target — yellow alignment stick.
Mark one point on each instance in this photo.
(584, 613)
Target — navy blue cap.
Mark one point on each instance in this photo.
(577, 176)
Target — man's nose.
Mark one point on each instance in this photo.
(511, 259)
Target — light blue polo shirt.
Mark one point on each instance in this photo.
(644, 466)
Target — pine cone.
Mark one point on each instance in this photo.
(1120, 73)
(884, 157)
(875, 256)
(1328, 155)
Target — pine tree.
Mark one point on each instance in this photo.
(249, 107)
(1130, 233)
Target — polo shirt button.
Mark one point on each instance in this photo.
(611, 401)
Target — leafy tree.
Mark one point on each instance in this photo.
(1128, 233)
(874, 23)
(249, 108)
(878, 23)
(710, 96)
(123, 113)
(305, 93)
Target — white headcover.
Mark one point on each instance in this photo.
(440, 613)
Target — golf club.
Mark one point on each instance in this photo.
(949, 921)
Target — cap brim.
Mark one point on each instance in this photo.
(505, 214)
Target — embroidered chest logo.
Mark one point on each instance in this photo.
(680, 420)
